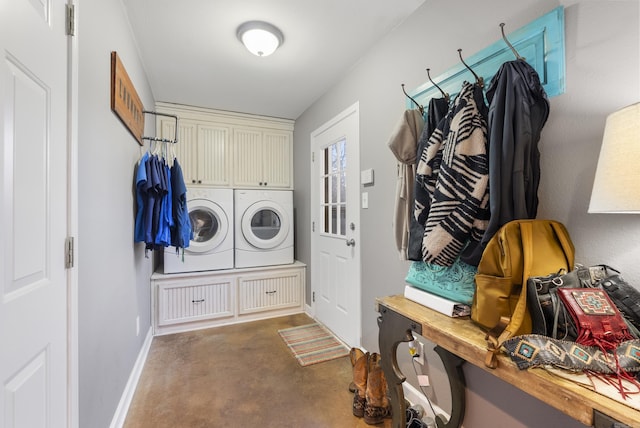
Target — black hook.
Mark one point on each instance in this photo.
(479, 80)
(420, 108)
(515, 52)
(444, 94)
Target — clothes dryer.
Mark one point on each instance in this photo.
(212, 221)
(264, 227)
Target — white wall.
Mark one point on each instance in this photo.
(602, 75)
(113, 273)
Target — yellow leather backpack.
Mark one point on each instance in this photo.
(518, 250)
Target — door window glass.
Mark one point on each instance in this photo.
(334, 188)
(266, 224)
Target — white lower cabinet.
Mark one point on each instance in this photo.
(190, 301)
(260, 292)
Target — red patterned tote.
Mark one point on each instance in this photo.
(598, 323)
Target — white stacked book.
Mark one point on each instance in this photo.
(437, 303)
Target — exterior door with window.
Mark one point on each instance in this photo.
(335, 251)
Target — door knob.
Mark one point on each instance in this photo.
(351, 242)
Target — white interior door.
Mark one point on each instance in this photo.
(33, 214)
(335, 235)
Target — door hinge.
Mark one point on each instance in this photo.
(69, 250)
(313, 297)
(313, 226)
(71, 19)
(313, 156)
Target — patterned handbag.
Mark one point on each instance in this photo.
(604, 348)
(533, 350)
(455, 282)
(598, 321)
(549, 317)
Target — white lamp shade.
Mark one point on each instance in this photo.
(260, 38)
(616, 188)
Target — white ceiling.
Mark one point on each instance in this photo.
(192, 56)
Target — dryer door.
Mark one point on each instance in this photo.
(265, 225)
(209, 223)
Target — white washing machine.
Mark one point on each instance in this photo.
(211, 214)
(264, 227)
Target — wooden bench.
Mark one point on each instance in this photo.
(459, 340)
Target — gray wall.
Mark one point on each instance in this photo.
(602, 75)
(113, 273)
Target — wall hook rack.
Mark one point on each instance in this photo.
(420, 107)
(541, 41)
(515, 52)
(444, 94)
(479, 80)
(163, 140)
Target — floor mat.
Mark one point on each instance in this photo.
(312, 344)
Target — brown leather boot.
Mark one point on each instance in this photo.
(354, 355)
(377, 406)
(360, 374)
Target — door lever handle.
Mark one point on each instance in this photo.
(351, 242)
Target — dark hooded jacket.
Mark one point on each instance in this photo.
(518, 110)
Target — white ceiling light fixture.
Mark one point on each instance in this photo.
(260, 38)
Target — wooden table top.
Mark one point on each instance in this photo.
(465, 339)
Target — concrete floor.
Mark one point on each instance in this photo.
(241, 375)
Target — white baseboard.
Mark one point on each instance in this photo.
(125, 401)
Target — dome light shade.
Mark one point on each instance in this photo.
(260, 38)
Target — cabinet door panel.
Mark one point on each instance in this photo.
(277, 159)
(213, 155)
(247, 158)
(267, 292)
(178, 302)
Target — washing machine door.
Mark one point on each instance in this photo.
(265, 225)
(209, 223)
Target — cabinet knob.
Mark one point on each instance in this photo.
(199, 181)
(193, 181)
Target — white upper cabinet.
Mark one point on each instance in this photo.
(226, 149)
(262, 158)
(202, 150)
(213, 155)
